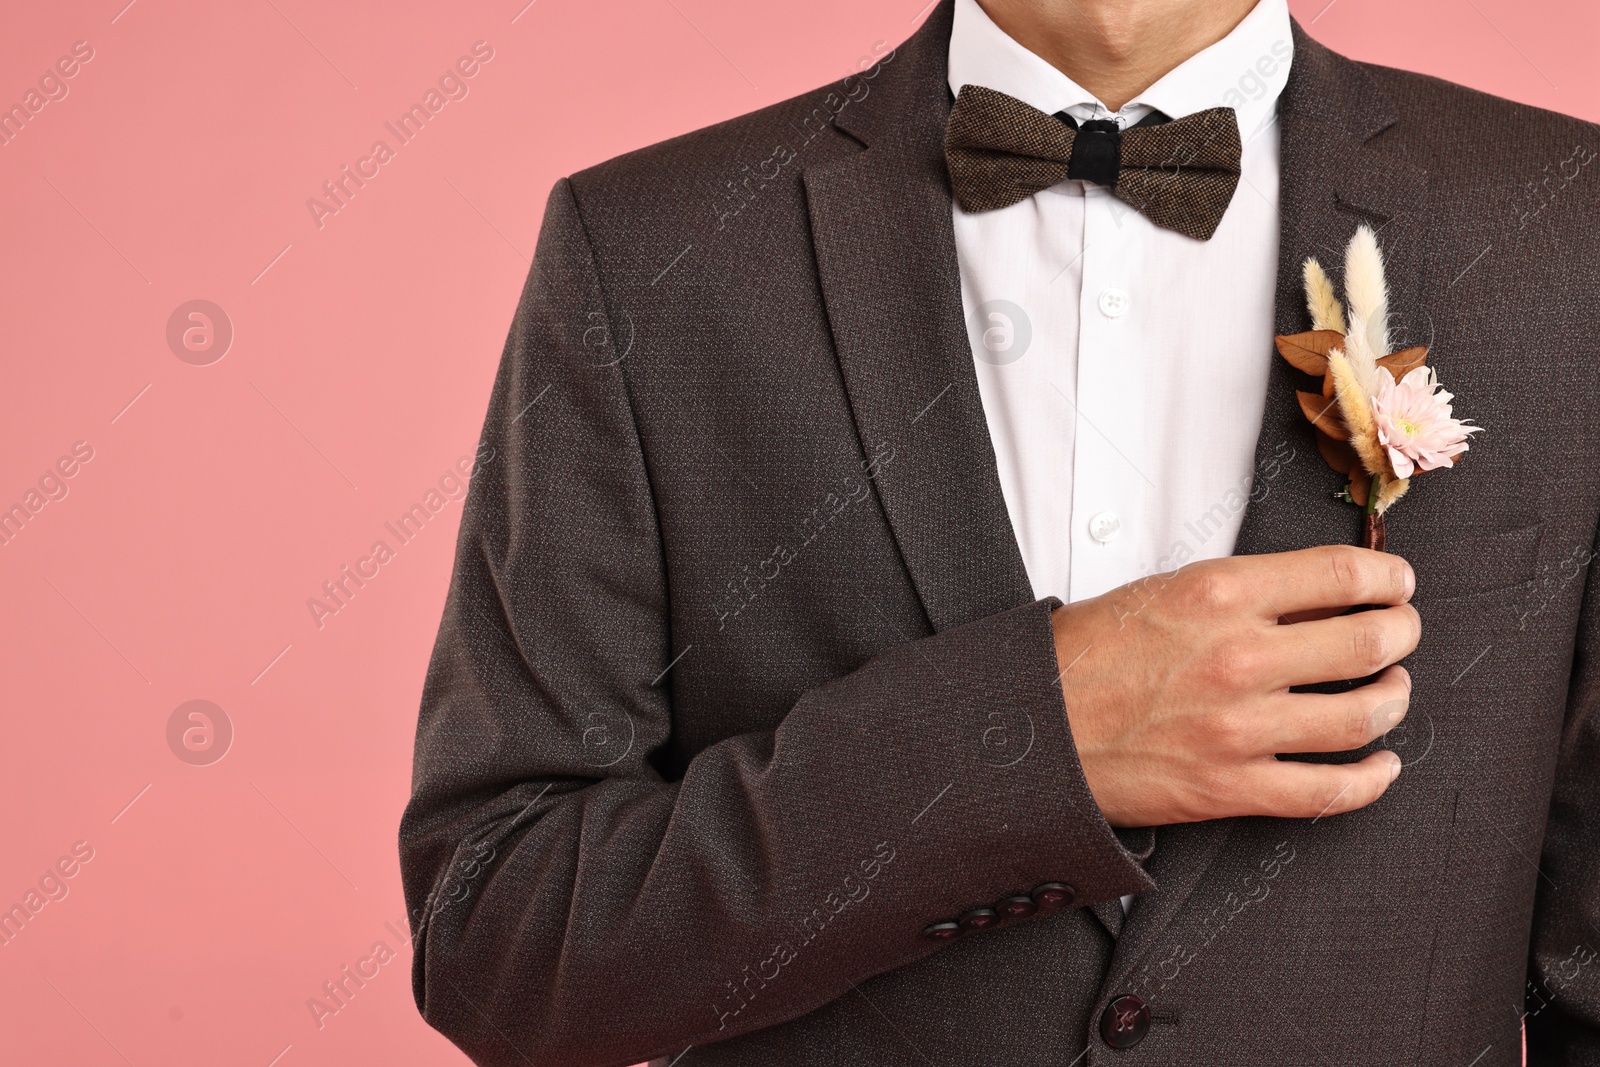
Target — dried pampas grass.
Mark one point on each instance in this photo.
(1391, 492)
(1352, 366)
(1357, 412)
(1326, 313)
(1366, 290)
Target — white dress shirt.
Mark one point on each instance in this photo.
(1123, 367)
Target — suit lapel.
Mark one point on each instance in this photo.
(1333, 179)
(1111, 915)
(886, 257)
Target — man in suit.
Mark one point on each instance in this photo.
(900, 614)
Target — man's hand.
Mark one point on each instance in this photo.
(1177, 685)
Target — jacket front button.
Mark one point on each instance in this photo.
(1125, 1021)
(942, 931)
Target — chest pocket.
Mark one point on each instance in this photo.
(1475, 564)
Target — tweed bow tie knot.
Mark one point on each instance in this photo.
(1181, 174)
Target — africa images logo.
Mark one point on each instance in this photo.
(452, 85)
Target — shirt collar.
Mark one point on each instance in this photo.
(1246, 71)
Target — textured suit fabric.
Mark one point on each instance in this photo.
(1180, 174)
(740, 683)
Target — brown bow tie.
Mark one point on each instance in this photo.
(1179, 174)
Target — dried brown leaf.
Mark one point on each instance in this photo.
(1406, 360)
(1309, 351)
(1339, 455)
(1324, 414)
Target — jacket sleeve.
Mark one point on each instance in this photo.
(570, 906)
(1563, 993)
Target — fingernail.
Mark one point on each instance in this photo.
(1394, 766)
(1385, 717)
(1411, 581)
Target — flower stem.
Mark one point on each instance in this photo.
(1372, 532)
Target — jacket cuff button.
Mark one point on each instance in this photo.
(1053, 894)
(942, 931)
(1019, 906)
(979, 919)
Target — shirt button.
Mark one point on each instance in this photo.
(1114, 302)
(1104, 526)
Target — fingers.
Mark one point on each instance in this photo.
(1336, 722)
(1329, 576)
(1342, 648)
(1293, 790)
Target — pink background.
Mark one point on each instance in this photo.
(178, 565)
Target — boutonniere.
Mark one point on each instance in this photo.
(1382, 416)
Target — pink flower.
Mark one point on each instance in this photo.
(1414, 422)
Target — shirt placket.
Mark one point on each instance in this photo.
(1110, 426)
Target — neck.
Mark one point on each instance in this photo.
(1116, 49)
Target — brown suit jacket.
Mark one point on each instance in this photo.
(741, 685)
